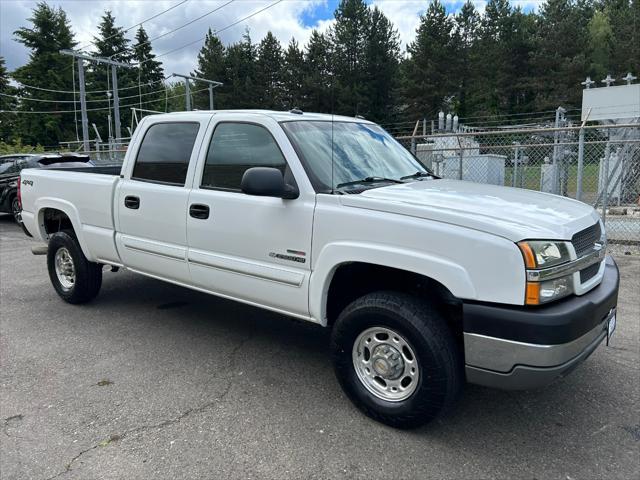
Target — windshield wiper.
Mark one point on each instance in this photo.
(366, 180)
(418, 175)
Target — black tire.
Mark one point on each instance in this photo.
(16, 210)
(439, 357)
(88, 275)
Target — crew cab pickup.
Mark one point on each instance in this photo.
(425, 282)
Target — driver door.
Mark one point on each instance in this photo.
(253, 249)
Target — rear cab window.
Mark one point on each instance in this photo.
(163, 156)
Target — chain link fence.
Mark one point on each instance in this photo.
(599, 165)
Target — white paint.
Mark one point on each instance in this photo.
(460, 234)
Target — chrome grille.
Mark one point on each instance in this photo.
(588, 273)
(584, 240)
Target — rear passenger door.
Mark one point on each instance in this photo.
(151, 201)
(250, 248)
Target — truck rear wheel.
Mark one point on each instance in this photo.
(75, 279)
(396, 359)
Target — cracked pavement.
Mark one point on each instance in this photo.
(155, 381)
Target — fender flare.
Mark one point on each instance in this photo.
(70, 211)
(450, 274)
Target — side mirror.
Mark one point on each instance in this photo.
(267, 182)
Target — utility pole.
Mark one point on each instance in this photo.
(83, 106)
(83, 101)
(212, 84)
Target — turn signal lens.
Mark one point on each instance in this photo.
(533, 293)
(527, 253)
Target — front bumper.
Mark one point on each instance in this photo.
(518, 348)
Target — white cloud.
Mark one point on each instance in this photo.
(405, 15)
(283, 19)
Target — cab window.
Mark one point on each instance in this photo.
(236, 147)
(165, 151)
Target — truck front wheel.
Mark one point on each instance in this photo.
(396, 359)
(75, 279)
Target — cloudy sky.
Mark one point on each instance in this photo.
(286, 19)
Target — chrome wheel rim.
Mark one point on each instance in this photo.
(386, 364)
(65, 270)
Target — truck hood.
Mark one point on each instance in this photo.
(513, 213)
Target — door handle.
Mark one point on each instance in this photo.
(132, 202)
(197, 210)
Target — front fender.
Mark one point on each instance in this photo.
(451, 275)
(70, 211)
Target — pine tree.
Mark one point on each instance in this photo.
(317, 84)
(293, 76)
(429, 72)
(349, 39)
(47, 68)
(8, 120)
(467, 57)
(381, 65)
(494, 69)
(212, 66)
(111, 43)
(624, 18)
(269, 73)
(150, 72)
(560, 53)
(241, 73)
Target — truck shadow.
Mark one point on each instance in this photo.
(517, 417)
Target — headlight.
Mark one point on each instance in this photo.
(543, 253)
(539, 255)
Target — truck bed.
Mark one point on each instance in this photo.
(85, 195)
(102, 170)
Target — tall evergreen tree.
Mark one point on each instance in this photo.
(269, 73)
(293, 76)
(111, 43)
(241, 73)
(150, 71)
(349, 41)
(318, 84)
(8, 120)
(600, 44)
(381, 65)
(624, 18)
(212, 66)
(495, 69)
(47, 68)
(467, 56)
(429, 71)
(560, 55)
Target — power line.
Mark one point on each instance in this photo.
(216, 31)
(17, 97)
(137, 24)
(97, 109)
(180, 27)
(88, 91)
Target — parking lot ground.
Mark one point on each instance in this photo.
(155, 381)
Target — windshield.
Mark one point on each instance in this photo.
(360, 151)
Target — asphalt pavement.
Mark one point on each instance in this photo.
(152, 380)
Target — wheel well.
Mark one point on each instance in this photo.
(353, 280)
(55, 220)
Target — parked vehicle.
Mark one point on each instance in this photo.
(425, 282)
(12, 165)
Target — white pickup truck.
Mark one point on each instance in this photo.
(425, 282)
